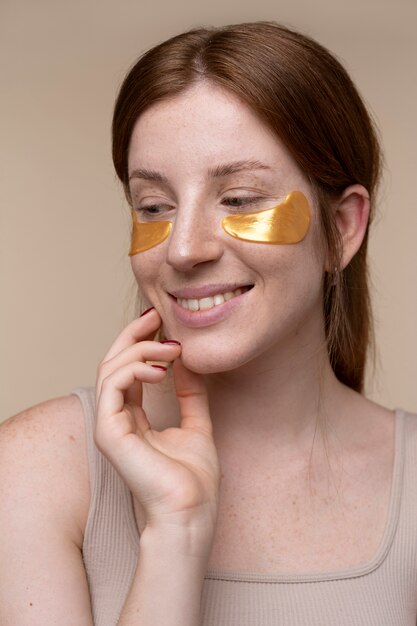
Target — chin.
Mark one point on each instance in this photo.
(212, 361)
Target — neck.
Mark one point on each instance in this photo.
(273, 402)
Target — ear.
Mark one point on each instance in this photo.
(352, 214)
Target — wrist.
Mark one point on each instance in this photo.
(190, 543)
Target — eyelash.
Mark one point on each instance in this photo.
(144, 209)
(244, 201)
(229, 201)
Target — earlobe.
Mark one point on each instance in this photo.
(352, 215)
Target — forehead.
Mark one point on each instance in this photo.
(202, 127)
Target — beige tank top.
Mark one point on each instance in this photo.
(381, 592)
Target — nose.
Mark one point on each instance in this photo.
(194, 239)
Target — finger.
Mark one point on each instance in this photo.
(142, 328)
(111, 399)
(142, 351)
(134, 395)
(192, 398)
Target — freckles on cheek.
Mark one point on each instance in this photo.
(145, 270)
(283, 271)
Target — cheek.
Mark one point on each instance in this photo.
(145, 267)
(289, 276)
(279, 260)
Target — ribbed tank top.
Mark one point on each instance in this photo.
(381, 592)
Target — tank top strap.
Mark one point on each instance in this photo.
(87, 399)
(111, 539)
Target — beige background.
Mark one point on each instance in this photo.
(65, 278)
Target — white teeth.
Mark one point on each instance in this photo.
(208, 303)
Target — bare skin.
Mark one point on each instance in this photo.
(225, 455)
(298, 525)
(275, 379)
(312, 506)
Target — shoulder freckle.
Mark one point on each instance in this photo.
(43, 458)
(47, 421)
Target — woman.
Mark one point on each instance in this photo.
(217, 489)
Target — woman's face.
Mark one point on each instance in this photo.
(193, 160)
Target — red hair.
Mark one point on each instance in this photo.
(306, 97)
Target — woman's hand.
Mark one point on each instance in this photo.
(175, 473)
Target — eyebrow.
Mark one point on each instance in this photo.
(237, 166)
(219, 171)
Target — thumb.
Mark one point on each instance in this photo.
(191, 392)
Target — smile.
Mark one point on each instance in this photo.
(203, 304)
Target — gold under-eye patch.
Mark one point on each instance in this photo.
(147, 235)
(286, 223)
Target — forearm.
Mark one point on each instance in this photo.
(168, 582)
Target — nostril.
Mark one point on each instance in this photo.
(186, 253)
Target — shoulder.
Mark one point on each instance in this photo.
(44, 496)
(43, 463)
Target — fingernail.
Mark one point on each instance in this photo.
(147, 311)
(172, 341)
(159, 367)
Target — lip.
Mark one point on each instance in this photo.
(207, 317)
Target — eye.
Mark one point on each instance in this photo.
(153, 210)
(236, 202)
